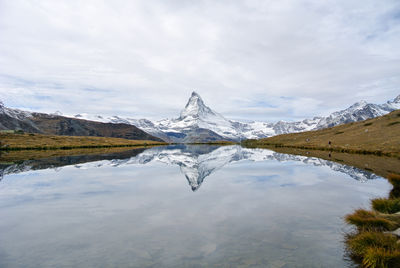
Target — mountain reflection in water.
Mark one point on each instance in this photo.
(196, 162)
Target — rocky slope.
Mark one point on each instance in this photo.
(52, 124)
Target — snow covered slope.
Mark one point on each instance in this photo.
(13, 113)
(358, 112)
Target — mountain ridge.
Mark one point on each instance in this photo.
(199, 123)
(53, 124)
(379, 135)
(197, 117)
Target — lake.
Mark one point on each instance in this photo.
(180, 206)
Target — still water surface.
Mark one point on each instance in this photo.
(180, 206)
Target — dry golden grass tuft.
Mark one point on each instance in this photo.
(370, 220)
(385, 205)
(379, 257)
(372, 245)
(361, 242)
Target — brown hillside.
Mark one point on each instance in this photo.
(60, 125)
(379, 135)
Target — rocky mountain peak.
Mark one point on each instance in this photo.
(397, 99)
(359, 104)
(195, 94)
(57, 113)
(1, 107)
(195, 107)
(195, 100)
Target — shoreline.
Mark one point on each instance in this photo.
(265, 145)
(33, 141)
(375, 240)
(48, 148)
(378, 164)
(377, 136)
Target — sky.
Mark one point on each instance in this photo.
(249, 60)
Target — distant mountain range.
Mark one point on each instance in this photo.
(54, 124)
(195, 162)
(197, 123)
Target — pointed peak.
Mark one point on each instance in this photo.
(57, 113)
(195, 99)
(397, 99)
(361, 103)
(194, 94)
(195, 107)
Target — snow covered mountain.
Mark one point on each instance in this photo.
(197, 122)
(13, 113)
(195, 162)
(358, 112)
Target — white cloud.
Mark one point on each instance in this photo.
(142, 58)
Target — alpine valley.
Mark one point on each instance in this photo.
(197, 123)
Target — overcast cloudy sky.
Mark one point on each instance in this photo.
(257, 60)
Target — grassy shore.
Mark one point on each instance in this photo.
(380, 136)
(375, 243)
(380, 165)
(25, 146)
(13, 156)
(25, 141)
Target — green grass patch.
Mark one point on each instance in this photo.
(6, 131)
(338, 160)
(368, 124)
(394, 179)
(393, 123)
(77, 147)
(339, 132)
(387, 206)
